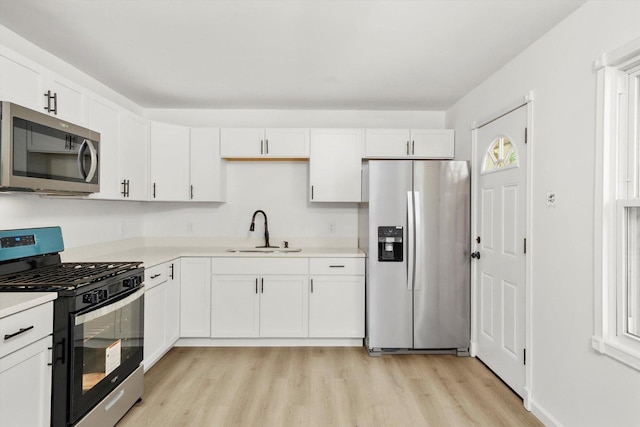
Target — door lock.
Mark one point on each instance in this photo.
(475, 255)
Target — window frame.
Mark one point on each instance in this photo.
(616, 188)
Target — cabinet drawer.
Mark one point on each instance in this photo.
(259, 266)
(340, 266)
(37, 323)
(156, 275)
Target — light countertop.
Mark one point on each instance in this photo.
(150, 254)
(14, 302)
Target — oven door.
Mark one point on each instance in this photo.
(108, 347)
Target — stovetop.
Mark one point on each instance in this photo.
(64, 276)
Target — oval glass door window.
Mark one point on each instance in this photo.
(500, 155)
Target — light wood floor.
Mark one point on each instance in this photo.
(315, 386)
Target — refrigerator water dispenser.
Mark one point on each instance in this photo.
(390, 244)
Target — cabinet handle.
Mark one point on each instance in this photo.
(20, 331)
(266, 144)
(336, 266)
(124, 188)
(413, 147)
(55, 103)
(261, 147)
(311, 285)
(262, 285)
(407, 148)
(48, 96)
(154, 190)
(191, 191)
(312, 192)
(155, 275)
(171, 273)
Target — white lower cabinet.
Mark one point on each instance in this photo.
(25, 370)
(259, 297)
(161, 311)
(336, 298)
(336, 307)
(259, 306)
(235, 307)
(284, 307)
(195, 297)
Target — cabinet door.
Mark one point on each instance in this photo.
(336, 306)
(169, 162)
(208, 170)
(172, 309)
(25, 385)
(433, 143)
(105, 118)
(21, 81)
(242, 142)
(335, 163)
(287, 143)
(70, 101)
(195, 297)
(134, 143)
(387, 143)
(235, 306)
(284, 306)
(155, 324)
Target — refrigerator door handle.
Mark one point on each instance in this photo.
(410, 240)
(417, 246)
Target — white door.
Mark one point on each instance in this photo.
(501, 163)
(284, 306)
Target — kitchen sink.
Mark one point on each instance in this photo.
(264, 250)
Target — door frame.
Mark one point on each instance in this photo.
(526, 102)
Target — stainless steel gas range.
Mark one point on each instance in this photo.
(98, 330)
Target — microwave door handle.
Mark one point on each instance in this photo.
(94, 160)
(83, 148)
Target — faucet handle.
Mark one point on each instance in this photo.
(286, 244)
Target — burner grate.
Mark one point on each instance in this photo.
(67, 275)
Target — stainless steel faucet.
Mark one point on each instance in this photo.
(266, 228)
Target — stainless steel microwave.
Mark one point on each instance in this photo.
(43, 154)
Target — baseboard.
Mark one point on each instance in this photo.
(269, 342)
(543, 415)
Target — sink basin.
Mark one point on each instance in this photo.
(264, 250)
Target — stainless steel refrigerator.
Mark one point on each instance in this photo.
(414, 225)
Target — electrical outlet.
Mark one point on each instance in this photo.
(189, 227)
(332, 227)
(551, 198)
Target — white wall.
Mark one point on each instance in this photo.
(83, 222)
(572, 385)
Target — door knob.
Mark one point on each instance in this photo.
(475, 255)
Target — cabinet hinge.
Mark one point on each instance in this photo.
(526, 135)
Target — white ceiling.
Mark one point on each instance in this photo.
(286, 54)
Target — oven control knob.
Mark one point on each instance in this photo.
(90, 298)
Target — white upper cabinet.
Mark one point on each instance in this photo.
(65, 99)
(208, 170)
(104, 118)
(31, 85)
(335, 164)
(169, 162)
(254, 143)
(20, 81)
(409, 143)
(133, 157)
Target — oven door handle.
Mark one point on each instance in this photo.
(109, 308)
